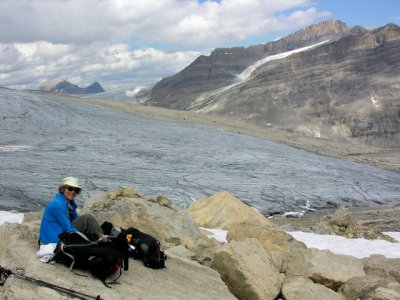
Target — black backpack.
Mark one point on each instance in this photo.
(102, 259)
(145, 247)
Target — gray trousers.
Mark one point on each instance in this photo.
(88, 225)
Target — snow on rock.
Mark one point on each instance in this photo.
(355, 247)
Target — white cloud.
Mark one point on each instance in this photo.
(111, 40)
(27, 65)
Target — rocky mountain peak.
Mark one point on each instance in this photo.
(328, 26)
(357, 30)
(222, 66)
(389, 31)
(64, 86)
(326, 30)
(346, 87)
(95, 88)
(321, 29)
(49, 84)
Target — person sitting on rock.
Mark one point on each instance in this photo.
(60, 216)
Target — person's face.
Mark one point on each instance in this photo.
(71, 192)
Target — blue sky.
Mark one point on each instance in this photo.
(367, 13)
(131, 43)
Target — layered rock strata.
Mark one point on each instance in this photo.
(347, 86)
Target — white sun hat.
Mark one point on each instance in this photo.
(70, 181)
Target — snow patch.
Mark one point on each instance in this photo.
(355, 247)
(133, 93)
(247, 72)
(10, 217)
(395, 235)
(308, 206)
(294, 214)
(217, 233)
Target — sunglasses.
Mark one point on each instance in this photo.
(73, 189)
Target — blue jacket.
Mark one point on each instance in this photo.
(57, 218)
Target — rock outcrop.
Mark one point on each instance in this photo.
(370, 287)
(182, 279)
(172, 226)
(231, 211)
(300, 288)
(223, 210)
(248, 270)
(382, 266)
(266, 264)
(340, 223)
(326, 268)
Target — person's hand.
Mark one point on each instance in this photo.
(103, 237)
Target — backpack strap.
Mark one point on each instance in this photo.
(114, 281)
(84, 237)
(62, 245)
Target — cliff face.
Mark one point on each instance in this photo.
(208, 73)
(347, 86)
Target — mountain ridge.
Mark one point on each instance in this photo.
(64, 86)
(345, 87)
(223, 64)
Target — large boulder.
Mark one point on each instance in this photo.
(368, 287)
(300, 288)
(386, 294)
(341, 223)
(248, 270)
(382, 266)
(223, 210)
(125, 207)
(271, 238)
(182, 278)
(324, 267)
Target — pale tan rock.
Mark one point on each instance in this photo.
(324, 267)
(271, 238)
(180, 251)
(341, 223)
(172, 226)
(162, 200)
(32, 216)
(126, 208)
(381, 266)
(223, 210)
(341, 217)
(277, 260)
(182, 279)
(386, 294)
(301, 288)
(247, 270)
(124, 191)
(363, 287)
